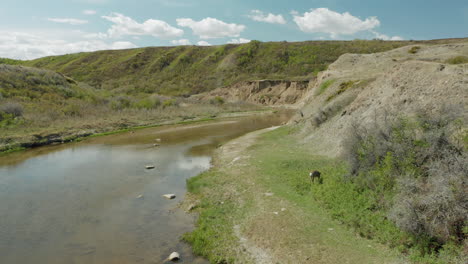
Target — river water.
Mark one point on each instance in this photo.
(95, 202)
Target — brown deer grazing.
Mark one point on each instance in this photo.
(313, 175)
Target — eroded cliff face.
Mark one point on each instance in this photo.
(359, 89)
(265, 92)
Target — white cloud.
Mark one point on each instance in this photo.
(396, 38)
(89, 12)
(95, 36)
(22, 45)
(385, 37)
(71, 21)
(181, 42)
(124, 25)
(323, 20)
(209, 28)
(258, 15)
(238, 41)
(203, 43)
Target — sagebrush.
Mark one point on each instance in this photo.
(416, 170)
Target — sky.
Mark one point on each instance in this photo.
(36, 28)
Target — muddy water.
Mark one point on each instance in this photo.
(94, 201)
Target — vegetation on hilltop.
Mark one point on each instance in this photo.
(186, 70)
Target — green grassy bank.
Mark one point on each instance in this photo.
(262, 197)
(293, 222)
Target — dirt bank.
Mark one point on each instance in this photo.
(265, 92)
(360, 88)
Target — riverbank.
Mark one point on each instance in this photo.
(29, 139)
(256, 205)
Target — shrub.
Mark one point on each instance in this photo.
(217, 100)
(72, 109)
(248, 53)
(169, 102)
(148, 103)
(416, 173)
(6, 119)
(457, 60)
(9, 113)
(13, 108)
(120, 103)
(414, 49)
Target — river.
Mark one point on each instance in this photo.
(95, 202)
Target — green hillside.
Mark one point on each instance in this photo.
(186, 70)
(114, 89)
(39, 106)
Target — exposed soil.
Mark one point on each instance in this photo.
(400, 82)
(265, 92)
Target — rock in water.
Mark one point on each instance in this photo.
(149, 167)
(174, 256)
(169, 196)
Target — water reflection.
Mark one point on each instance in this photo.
(94, 201)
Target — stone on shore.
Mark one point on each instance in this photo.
(174, 256)
(169, 196)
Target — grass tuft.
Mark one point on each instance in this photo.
(457, 60)
(324, 86)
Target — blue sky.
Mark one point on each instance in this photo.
(31, 28)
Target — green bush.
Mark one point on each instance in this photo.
(72, 109)
(416, 175)
(120, 103)
(148, 103)
(414, 49)
(9, 120)
(217, 100)
(169, 102)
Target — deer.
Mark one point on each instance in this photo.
(314, 174)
